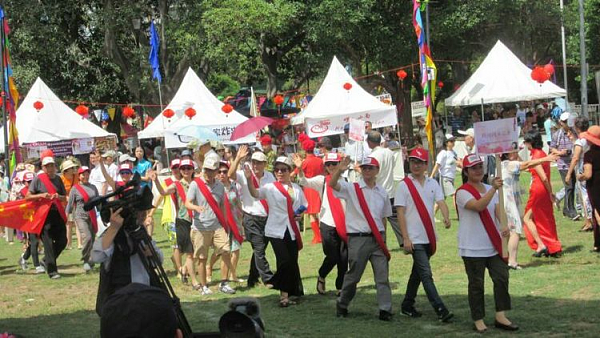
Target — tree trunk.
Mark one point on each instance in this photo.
(268, 57)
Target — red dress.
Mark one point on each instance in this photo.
(541, 208)
(312, 166)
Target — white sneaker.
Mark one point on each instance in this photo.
(225, 288)
(39, 269)
(86, 267)
(205, 291)
(23, 263)
(54, 275)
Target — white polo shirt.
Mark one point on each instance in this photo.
(96, 177)
(447, 160)
(473, 240)
(377, 201)
(250, 204)
(430, 193)
(279, 221)
(317, 183)
(385, 178)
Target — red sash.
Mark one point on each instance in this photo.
(183, 196)
(24, 191)
(168, 182)
(92, 212)
(337, 211)
(290, 210)
(486, 219)
(370, 220)
(423, 213)
(212, 202)
(263, 202)
(52, 190)
(233, 227)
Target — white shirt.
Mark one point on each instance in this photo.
(317, 183)
(385, 178)
(96, 177)
(279, 221)
(250, 204)
(377, 201)
(473, 240)
(354, 149)
(430, 193)
(446, 159)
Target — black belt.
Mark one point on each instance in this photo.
(256, 216)
(360, 234)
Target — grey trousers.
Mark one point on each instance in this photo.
(360, 251)
(87, 238)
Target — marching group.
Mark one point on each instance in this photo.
(218, 197)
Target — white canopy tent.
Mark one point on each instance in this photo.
(333, 106)
(193, 93)
(1, 139)
(54, 122)
(502, 77)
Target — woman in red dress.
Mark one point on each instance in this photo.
(312, 166)
(539, 210)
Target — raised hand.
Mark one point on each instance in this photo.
(247, 171)
(297, 160)
(242, 152)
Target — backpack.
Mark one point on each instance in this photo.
(556, 113)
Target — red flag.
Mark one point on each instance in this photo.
(27, 216)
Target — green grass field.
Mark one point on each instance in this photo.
(551, 297)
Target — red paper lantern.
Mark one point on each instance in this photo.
(549, 68)
(82, 110)
(190, 112)
(38, 105)
(128, 112)
(539, 75)
(441, 84)
(278, 100)
(227, 108)
(401, 74)
(168, 113)
(347, 85)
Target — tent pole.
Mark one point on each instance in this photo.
(482, 114)
(4, 96)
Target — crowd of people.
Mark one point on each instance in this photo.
(215, 198)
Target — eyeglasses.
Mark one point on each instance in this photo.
(223, 171)
(281, 170)
(329, 164)
(186, 168)
(125, 173)
(368, 167)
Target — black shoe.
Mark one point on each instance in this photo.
(444, 315)
(411, 312)
(252, 283)
(340, 311)
(541, 253)
(557, 254)
(385, 316)
(509, 327)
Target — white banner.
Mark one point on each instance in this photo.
(172, 140)
(418, 108)
(497, 136)
(83, 146)
(357, 130)
(317, 127)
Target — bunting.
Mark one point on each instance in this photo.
(428, 71)
(11, 96)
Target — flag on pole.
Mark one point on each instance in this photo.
(11, 99)
(428, 70)
(153, 57)
(254, 111)
(25, 215)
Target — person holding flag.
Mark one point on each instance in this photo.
(415, 198)
(333, 222)
(480, 243)
(48, 185)
(86, 221)
(367, 207)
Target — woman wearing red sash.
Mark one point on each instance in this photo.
(539, 212)
(85, 221)
(480, 244)
(311, 167)
(332, 221)
(284, 199)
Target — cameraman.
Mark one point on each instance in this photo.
(116, 250)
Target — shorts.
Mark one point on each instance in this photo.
(235, 245)
(448, 185)
(203, 240)
(184, 242)
(171, 233)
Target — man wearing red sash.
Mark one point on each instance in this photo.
(205, 197)
(415, 198)
(48, 185)
(367, 206)
(255, 212)
(85, 221)
(480, 244)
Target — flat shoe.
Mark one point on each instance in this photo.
(509, 327)
(478, 330)
(515, 267)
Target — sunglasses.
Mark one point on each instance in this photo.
(184, 168)
(329, 164)
(223, 171)
(125, 173)
(281, 170)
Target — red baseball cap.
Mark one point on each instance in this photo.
(126, 167)
(28, 176)
(266, 139)
(370, 161)
(471, 160)
(83, 169)
(332, 157)
(186, 163)
(420, 154)
(175, 163)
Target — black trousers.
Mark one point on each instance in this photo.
(569, 200)
(287, 278)
(32, 249)
(336, 254)
(498, 270)
(54, 237)
(254, 227)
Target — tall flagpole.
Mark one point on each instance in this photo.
(3, 93)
